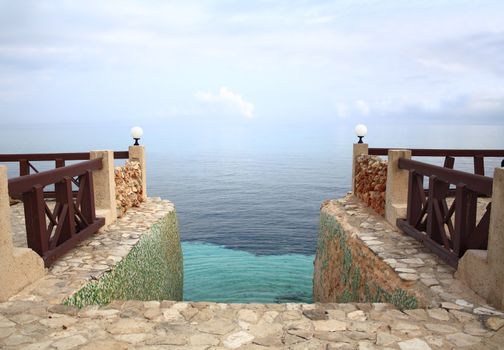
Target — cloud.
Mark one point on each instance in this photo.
(229, 99)
(486, 103)
(303, 60)
(479, 51)
(480, 106)
(452, 67)
(363, 107)
(342, 110)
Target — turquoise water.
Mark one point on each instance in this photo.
(230, 275)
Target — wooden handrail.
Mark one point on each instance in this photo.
(73, 218)
(19, 185)
(121, 154)
(55, 156)
(476, 183)
(425, 152)
(448, 228)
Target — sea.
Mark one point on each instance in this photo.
(248, 198)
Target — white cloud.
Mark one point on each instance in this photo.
(228, 99)
(486, 103)
(363, 107)
(342, 110)
(452, 67)
(320, 19)
(309, 51)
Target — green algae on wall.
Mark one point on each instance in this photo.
(152, 270)
(347, 272)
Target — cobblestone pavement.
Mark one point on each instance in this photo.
(169, 325)
(35, 319)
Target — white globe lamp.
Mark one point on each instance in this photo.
(360, 131)
(136, 133)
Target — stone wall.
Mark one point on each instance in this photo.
(128, 180)
(347, 271)
(370, 181)
(153, 270)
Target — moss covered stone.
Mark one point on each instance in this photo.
(346, 271)
(152, 270)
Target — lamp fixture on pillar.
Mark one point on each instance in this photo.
(360, 131)
(136, 133)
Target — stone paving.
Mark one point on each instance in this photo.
(180, 325)
(35, 319)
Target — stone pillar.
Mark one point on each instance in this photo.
(496, 240)
(474, 270)
(18, 266)
(137, 154)
(358, 149)
(483, 270)
(104, 186)
(396, 195)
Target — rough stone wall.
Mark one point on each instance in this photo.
(370, 181)
(347, 271)
(128, 180)
(153, 270)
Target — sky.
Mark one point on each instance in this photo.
(254, 64)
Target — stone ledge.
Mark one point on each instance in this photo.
(419, 271)
(95, 256)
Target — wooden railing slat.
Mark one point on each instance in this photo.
(87, 205)
(425, 152)
(65, 197)
(36, 230)
(22, 184)
(479, 165)
(477, 183)
(24, 167)
(54, 156)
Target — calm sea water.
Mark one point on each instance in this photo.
(248, 200)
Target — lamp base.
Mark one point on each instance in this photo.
(136, 142)
(360, 139)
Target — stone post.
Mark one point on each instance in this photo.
(358, 149)
(104, 186)
(496, 240)
(396, 195)
(483, 270)
(137, 154)
(18, 266)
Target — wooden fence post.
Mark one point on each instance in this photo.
(36, 226)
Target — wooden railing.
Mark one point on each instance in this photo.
(71, 220)
(26, 166)
(478, 155)
(448, 229)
